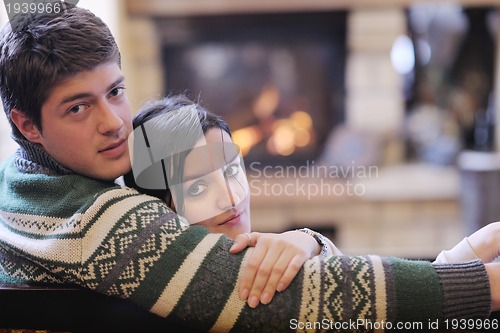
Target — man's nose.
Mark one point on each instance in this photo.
(109, 121)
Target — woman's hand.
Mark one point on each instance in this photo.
(273, 263)
(486, 242)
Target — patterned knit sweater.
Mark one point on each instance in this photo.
(59, 227)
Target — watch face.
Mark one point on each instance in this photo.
(319, 238)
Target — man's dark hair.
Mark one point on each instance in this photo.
(39, 51)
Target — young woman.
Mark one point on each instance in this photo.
(184, 155)
(200, 173)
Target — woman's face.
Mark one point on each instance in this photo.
(215, 188)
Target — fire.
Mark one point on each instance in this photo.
(246, 138)
(283, 136)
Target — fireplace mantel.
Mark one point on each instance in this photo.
(222, 7)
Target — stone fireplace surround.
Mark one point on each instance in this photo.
(384, 222)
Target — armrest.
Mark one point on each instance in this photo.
(74, 309)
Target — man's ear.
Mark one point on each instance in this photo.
(25, 125)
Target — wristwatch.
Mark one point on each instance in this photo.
(319, 238)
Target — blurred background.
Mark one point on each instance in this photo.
(372, 123)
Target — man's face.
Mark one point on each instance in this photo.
(86, 121)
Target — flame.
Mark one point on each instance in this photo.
(267, 102)
(283, 138)
(246, 138)
(302, 137)
(301, 120)
(283, 135)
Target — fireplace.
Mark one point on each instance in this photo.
(278, 79)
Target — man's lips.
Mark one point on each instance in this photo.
(113, 145)
(114, 149)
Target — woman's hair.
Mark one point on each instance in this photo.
(173, 123)
(39, 51)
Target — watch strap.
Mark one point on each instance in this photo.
(319, 238)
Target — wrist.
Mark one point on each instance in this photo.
(319, 238)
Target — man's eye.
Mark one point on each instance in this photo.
(197, 189)
(232, 170)
(77, 108)
(116, 91)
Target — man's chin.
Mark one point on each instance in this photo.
(111, 174)
(105, 175)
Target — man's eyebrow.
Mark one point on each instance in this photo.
(75, 97)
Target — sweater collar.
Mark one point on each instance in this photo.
(31, 158)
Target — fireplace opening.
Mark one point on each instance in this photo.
(278, 79)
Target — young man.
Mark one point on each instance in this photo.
(63, 219)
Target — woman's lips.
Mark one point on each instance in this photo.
(232, 220)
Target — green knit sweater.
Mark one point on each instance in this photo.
(59, 227)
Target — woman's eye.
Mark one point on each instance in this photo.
(196, 189)
(232, 170)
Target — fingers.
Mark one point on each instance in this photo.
(271, 265)
(256, 271)
(241, 242)
(248, 271)
(282, 274)
(291, 271)
(268, 274)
